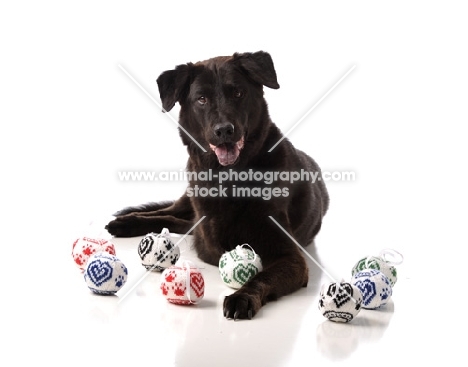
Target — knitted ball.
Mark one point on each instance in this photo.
(340, 302)
(238, 266)
(105, 274)
(183, 284)
(84, 247)
(375, 288)
(377, 263)
(157, 251)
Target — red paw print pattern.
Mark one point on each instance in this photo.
(85, 247)
(183, 284)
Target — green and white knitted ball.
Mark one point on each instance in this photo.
(105, 274)
(157, 251)
(340, 302)
(238, 266)
(375, 288)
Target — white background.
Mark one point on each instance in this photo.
(71, 119)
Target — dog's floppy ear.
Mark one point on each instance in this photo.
(173, 85)
(258, 66)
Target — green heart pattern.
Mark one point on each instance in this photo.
(242, 274)
(236, 270)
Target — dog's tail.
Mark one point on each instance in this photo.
(148, 207)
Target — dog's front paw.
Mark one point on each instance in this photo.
(124, 226)
(241, 306)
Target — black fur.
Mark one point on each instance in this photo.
(223, 109)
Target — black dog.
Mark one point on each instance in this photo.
(223, 111)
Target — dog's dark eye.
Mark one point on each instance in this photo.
(238, 93)
(202, 100)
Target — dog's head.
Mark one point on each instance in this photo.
(221, 100)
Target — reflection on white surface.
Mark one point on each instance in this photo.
(337, 341)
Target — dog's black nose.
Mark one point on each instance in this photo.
(224, 130)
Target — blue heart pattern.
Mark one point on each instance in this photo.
(368, 291)
(374, 287)
(99, 272)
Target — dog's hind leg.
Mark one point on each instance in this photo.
(177, 217)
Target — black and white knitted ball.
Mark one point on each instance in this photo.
(105, 274)
(340, 302)
(375, 288)
(157, 251)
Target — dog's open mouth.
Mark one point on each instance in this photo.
(228, 153)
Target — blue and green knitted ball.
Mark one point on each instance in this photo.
(375, 288)
(340, 302)
(105, 274)
(377, 263)
(238, 266)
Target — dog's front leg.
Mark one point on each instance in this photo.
(280, 277)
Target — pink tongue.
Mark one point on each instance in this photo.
(227, 154)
